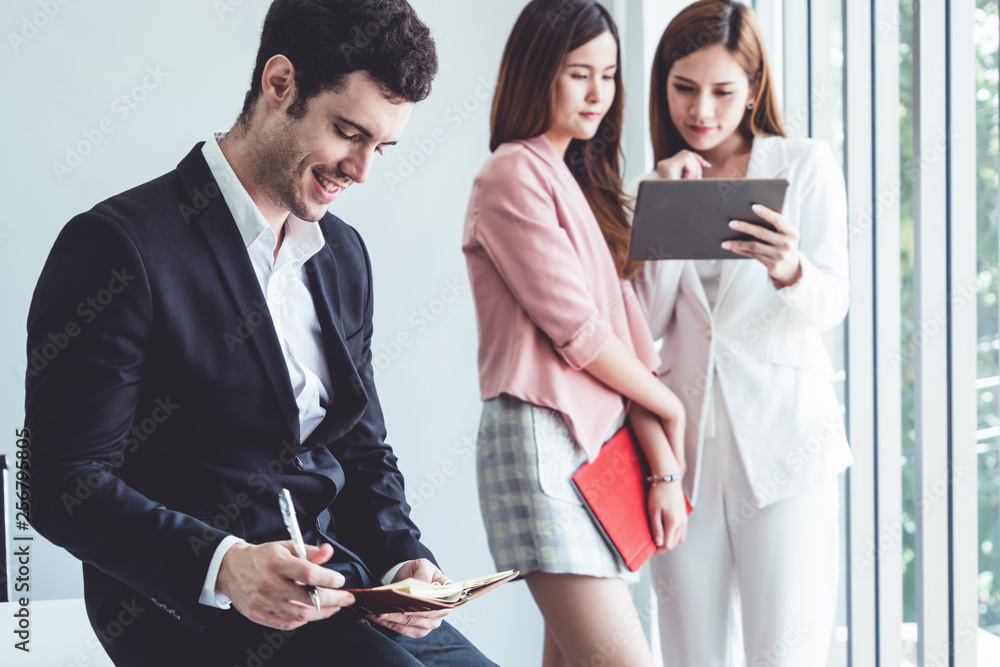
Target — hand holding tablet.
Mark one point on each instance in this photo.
(689, 219)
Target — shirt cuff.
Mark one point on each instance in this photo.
(391, 574)
(209, 596)
(583, 347)
(791, 293)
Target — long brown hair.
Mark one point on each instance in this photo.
(545, 32)
(706, 23)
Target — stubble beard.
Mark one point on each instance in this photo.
(277, 164)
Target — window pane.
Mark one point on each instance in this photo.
(988, 375)
(907, 367)
(834, 135)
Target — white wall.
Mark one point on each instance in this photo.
(62, 80)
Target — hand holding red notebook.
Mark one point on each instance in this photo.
(613, 488)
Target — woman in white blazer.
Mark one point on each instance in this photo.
(757, 578)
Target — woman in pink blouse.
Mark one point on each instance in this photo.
(565, 355)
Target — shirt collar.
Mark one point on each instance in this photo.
(305, 238)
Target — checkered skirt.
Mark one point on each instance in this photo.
(534, 520)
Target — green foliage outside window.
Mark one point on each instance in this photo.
(988, 441)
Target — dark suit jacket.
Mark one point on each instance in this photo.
(161, 413)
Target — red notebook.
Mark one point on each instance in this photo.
(613, 488)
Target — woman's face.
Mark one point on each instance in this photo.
(584, 90)
(707, 93)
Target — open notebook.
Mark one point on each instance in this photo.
(415, 595)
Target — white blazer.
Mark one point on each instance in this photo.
(763, 344)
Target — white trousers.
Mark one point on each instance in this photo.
(749, 586)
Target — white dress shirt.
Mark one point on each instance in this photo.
(710, 272)
(285, 286)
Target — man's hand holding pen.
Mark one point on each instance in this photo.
(266, 583)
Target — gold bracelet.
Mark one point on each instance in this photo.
(653, 480)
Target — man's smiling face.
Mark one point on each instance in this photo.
(302, 164)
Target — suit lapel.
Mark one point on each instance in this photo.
(693, 283)
(347, 394)
(729, 270)
(212, 217)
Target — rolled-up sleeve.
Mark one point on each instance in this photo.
(516, 222)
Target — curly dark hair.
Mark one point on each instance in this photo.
(328, 39)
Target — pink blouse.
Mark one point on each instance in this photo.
(546, 290)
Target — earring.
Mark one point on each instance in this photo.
(750, 104)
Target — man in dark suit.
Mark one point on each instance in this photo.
(202, 341)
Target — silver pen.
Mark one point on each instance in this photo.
(292, 523)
